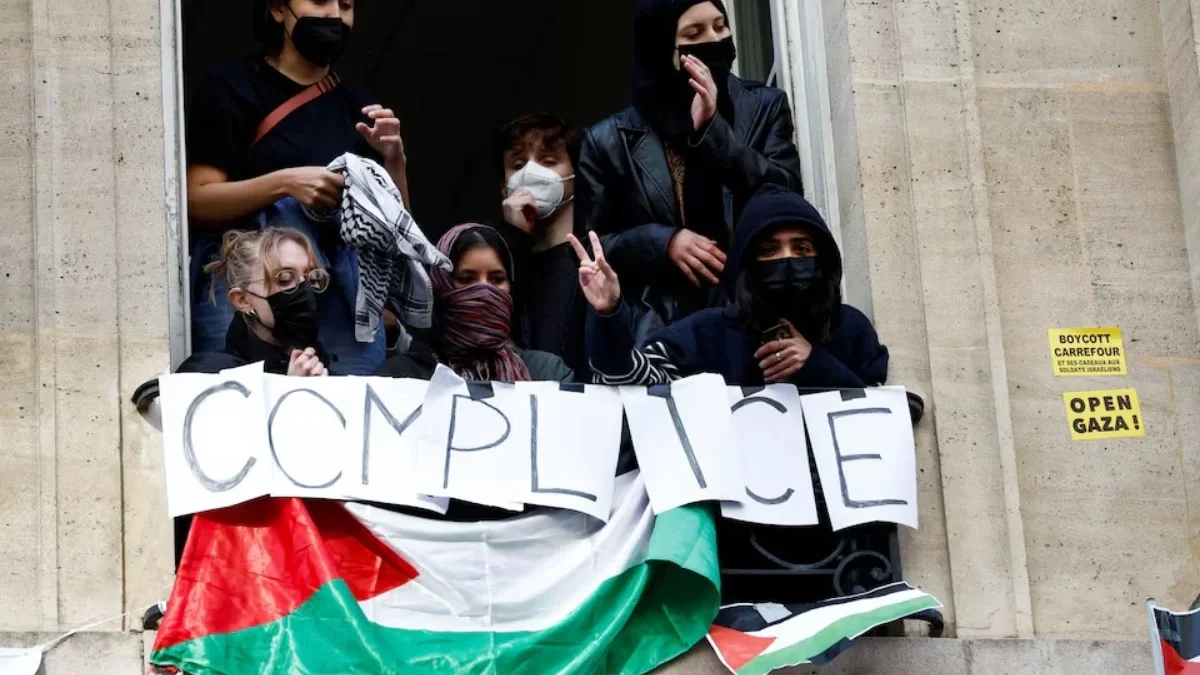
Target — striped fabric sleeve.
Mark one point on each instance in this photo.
(651, 366)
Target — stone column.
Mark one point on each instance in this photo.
(1012, 169)
(83, 318)
(906, 119)
(1181, 53)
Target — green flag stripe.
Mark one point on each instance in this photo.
(630, 625)
(848, 627)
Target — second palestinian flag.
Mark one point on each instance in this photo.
(754, 639)
(1176, 641)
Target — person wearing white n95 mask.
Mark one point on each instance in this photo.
(545, 186)
(536, 155)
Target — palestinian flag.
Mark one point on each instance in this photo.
(1176, 641)
(289, 586)
(752, 639)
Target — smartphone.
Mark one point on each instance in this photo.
(779, 331)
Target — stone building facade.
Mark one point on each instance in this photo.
(994, 169)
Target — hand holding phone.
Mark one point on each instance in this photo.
(779, 331)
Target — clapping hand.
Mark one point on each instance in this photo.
(306, 364)
(704, 106)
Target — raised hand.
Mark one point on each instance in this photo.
(384, 136)
(704, 106)
(597, 278)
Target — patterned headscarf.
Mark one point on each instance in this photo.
(475, 322)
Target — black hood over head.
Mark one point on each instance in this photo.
(656, 82)
(770, 207)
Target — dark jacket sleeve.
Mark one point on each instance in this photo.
(639, 252)
(418, 363)
(209, 362)
(611, 341)
(744, 168)
(854, 359)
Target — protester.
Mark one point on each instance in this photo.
(274, 280)
(663, 181)
(263, 129)
(473, 314)
(787, 322)
(537, 154)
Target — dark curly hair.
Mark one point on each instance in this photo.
(552, 131)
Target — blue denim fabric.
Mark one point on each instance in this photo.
(210, 321)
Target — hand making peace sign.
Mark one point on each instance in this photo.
(597, 279)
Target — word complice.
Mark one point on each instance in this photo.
(242, 434)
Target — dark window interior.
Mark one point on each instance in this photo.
(455, 72)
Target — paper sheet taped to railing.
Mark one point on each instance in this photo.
(242, 434)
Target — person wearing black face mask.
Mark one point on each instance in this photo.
(262, 129)
(274, 279)
(664, 181)
(787, 322)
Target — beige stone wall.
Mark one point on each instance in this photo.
(83, 311)
(1006, 167)
(1018, 172)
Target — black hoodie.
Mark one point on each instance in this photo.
(717, 341)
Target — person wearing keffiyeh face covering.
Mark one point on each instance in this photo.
(473, 310)
(664, 181)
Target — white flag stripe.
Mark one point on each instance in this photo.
(1155, 638)
(523, 574)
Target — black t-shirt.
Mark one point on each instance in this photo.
(555, 308)
(237, 95)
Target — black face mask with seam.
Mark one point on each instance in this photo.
(717, 56)
(296, 316)
(785, 286)
(320, 39)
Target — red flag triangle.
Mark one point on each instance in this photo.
(257, 562)
(738, 648)
(1174, 664)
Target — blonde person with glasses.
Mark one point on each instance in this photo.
(274, 279)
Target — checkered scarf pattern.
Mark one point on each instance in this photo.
(393, 253)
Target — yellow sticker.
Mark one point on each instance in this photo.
(1087, 352)
(1095, 415)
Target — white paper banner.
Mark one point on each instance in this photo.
(683, 439)
(474, 442)
(20, 661)
(239, 435)
(309, 435)
(863, 445)
(769, 427)
(387, 427)
(216, 431)
(573, 467)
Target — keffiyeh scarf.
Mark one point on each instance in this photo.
(393, 253)
(475, 325)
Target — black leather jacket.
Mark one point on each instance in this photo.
(624, 191)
